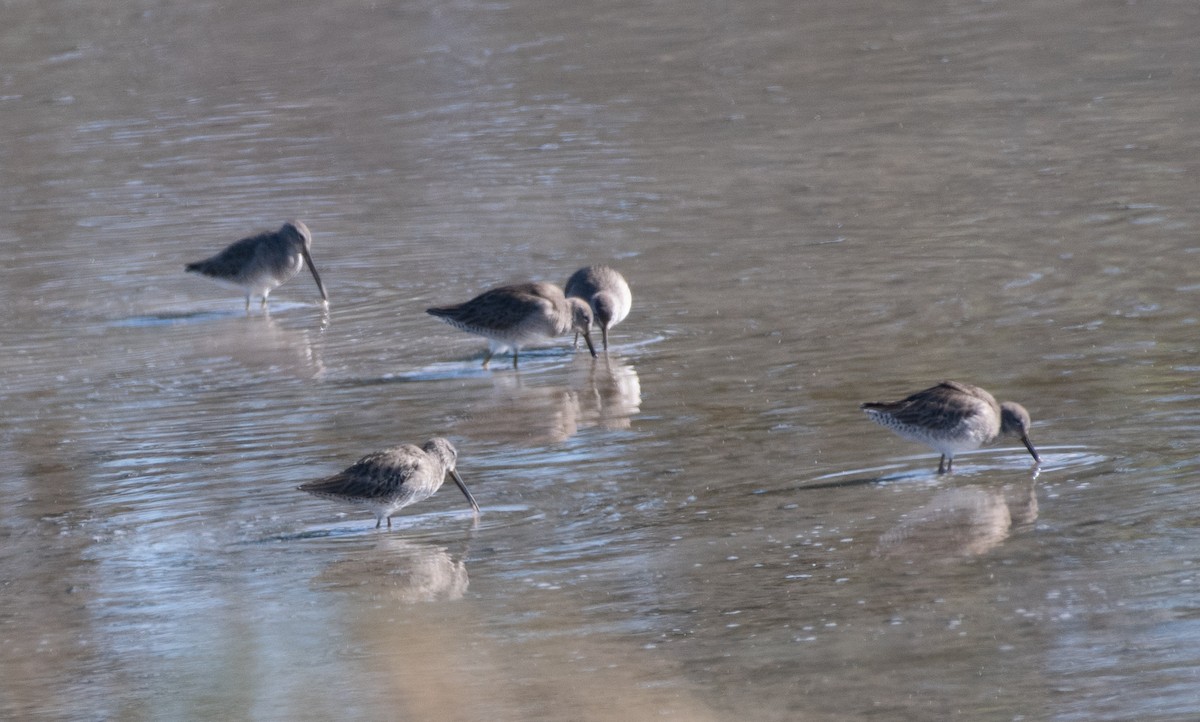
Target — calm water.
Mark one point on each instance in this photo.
(816, 203)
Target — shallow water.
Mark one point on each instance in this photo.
(816, 204)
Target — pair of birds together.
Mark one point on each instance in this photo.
(508, 316)
(951, 417)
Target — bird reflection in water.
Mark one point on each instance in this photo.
(604, 393)
(399, 570)
(259, 342)
(961, 522)
(613, 393)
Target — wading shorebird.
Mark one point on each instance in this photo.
(606, 292)
(510, 317)
(387, 481)
(953, 417)
(259, 264)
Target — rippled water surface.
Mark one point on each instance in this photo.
(816, 204)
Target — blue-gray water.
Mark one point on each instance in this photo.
(816, 204)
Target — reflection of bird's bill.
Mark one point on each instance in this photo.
(1029, 445)
(316, 277)
(458, 480)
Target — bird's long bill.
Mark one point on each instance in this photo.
(587, 337)
(1032, 451)
(458, 480)
(316, 277)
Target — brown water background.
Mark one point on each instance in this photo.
(816, 203)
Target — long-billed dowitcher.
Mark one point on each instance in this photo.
(953, 417)
(605, 291)
(510, 317)
(261, 263)
(387, 481)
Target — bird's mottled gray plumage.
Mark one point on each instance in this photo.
(514, 316)
(953, 417)
(387, 481)
(605, 291)
(259, 264)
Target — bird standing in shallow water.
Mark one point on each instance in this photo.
(605, 291)
(388, 481)
(259, 264)
(953, 417)
(510, 317)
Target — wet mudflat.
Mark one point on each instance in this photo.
(816, 205)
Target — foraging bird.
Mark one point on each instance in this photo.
(259, 264)
(953, 417)
(605, 291)
(387, 481)
(510, 317)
